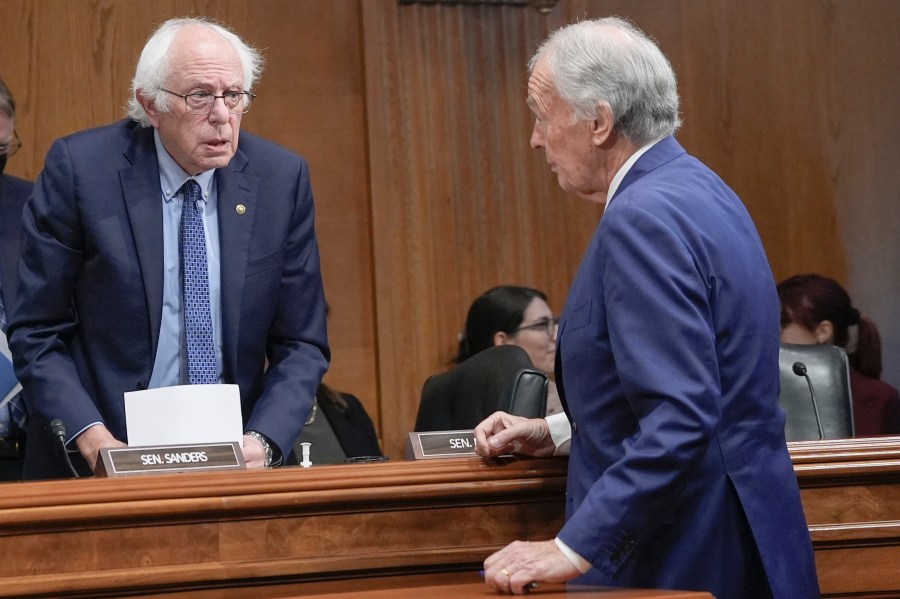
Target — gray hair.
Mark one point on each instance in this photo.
(154, 65)
(7, 103)
(610, 60)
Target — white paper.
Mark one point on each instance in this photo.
(184, 414)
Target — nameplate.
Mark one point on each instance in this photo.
(442, 444)
(123, 461)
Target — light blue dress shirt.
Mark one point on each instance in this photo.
(170, 365)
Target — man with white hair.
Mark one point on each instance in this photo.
(667, 352)
(170, 249)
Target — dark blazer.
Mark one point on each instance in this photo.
(13, 193)
(667, 360)
(86, 320)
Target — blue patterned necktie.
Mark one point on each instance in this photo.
(198, 329)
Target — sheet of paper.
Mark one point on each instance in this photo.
(184, 414)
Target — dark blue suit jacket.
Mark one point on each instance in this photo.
(86, 320)
(13, 193)
(679, 475)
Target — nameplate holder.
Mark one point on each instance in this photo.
(125, 461)
(441, 444)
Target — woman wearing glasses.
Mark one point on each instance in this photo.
(511, 315)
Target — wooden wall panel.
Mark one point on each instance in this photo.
(460, 203)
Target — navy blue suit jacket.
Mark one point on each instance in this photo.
(13, 193)
(86, 320)
(679, 475)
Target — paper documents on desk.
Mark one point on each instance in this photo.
(184, 414)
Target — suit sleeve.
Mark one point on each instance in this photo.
(297, 346)
(663, 342)
(44, 320)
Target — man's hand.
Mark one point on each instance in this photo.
(91, 441)
(254, 452)
(520, 563)
(503, 434)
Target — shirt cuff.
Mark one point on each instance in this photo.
(579, 562)
(560, 432)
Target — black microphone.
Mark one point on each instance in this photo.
(799, 369)
(59, 431)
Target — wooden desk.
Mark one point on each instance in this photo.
(433, 586)
(850, 490)
(252, 529)
(344, 529)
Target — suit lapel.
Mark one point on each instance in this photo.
(237, 204)
(143, 198)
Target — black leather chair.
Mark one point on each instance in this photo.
(499, 378)
(829, 372)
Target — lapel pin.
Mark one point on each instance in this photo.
(240, 209)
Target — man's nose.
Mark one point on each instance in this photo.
(537, 137)
(219, 112)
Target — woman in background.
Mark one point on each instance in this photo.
(816, 310)
(511, 315)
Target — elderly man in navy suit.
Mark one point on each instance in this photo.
(667, 357)
(168, 249)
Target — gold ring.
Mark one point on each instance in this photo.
(505, 572)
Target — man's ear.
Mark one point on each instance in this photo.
(824, 332)
(149, 106)
(603, 125)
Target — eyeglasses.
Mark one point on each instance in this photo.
(12, 147)
(203, 102)
(547, 325)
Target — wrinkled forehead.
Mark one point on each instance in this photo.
(541, 89)
(202, 51)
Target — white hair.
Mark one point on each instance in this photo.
(610, 60)
(154, 65)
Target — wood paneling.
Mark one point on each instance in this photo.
(460, 203)
(414, 122)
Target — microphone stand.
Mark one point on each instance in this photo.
(59, 431)
(799, 369)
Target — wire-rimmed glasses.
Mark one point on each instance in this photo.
(202, 102)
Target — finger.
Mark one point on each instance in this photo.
(504, 582)
(503, 440)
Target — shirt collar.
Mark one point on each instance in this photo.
(172, 176)
(623, 170)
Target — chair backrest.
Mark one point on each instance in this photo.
(829, 372)
(499, 378)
